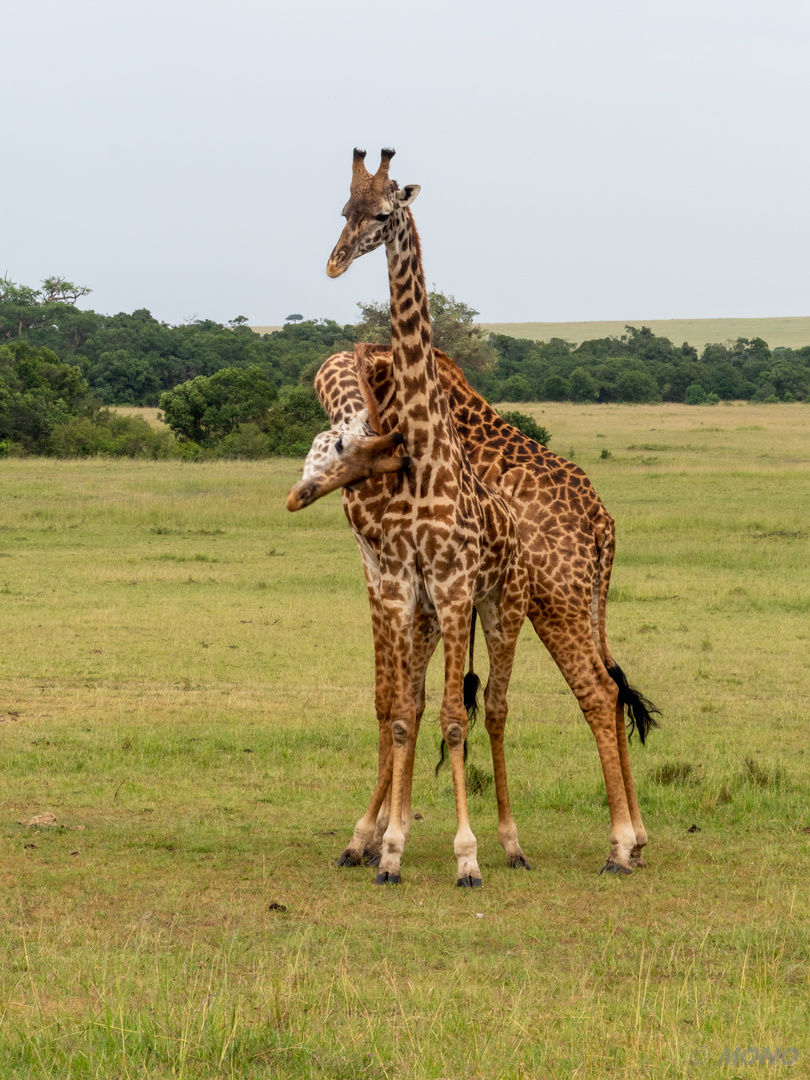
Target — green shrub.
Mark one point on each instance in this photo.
(249, 441)
(109, 433)
(556, 388)
(10, 448)
(293, 422)
(206, 409)
(78, 437)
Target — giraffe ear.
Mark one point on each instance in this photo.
(407, 195)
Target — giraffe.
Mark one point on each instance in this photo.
(568, 545)
(447, 541)
(343, 457)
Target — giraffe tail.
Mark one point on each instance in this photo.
(471, 686)
(639, 707)
(472, 683)
(640, 710)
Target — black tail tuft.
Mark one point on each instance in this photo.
(639, 708)
(472, 684)
(441, 758)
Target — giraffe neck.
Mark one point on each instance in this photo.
(423, 412)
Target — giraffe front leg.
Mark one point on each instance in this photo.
(372, 853)
(361, 845)
(465, 846)
(393, 845)
(373, 850)
(372, 841)
(403, 734)
(426, 637)
(356, 850)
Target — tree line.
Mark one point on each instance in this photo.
(224, 389)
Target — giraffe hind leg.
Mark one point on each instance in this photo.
(455, 623)
(501, 623)
(636, 858)
(574, 651)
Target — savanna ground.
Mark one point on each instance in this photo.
(187, 687)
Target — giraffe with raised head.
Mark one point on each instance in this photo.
(568, 545)
(447, 541)
(345, 456)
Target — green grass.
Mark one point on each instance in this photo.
(187, 686)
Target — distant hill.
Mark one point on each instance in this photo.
(792, 333)
(788, 332)
(265, 329)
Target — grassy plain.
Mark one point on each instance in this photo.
(788, 332)
(187, 687)
(148, 414)
(791, 332)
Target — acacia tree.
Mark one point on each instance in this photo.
(51, 311)
(454, 330)
(38, 393)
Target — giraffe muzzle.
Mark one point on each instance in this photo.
(338, 263)
(301, 495)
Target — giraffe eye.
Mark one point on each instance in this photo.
(382, 217)
(339, 446)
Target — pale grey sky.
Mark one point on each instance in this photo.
(578, 160)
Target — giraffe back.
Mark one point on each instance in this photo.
(563, 525)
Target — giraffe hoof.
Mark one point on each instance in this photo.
(347, 859)
(469, 882)
(518, 862)
(615, 868)
(372, 858)
(385, 877)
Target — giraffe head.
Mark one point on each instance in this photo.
(375, 203)
(345, 456)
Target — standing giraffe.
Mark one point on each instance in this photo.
(345, 456)
(568, 544)
(447, 541)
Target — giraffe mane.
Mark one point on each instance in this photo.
(361, 351)
(417, 243)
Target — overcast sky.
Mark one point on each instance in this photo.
(578, 160)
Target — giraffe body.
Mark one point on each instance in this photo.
(446, 541)
(568, 544)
